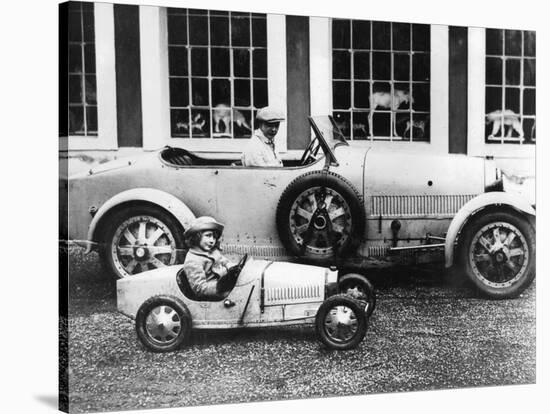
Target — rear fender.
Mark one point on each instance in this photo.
(164, 200)
(471, 207)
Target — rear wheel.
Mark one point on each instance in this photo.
(358, 287)
(498, 254)
(341, 322)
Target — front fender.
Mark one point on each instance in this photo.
(475, 204)
(167, 201)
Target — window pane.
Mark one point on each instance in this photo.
(381, 124)
(179, 92)
(342, 120)
(341, 64)
(421, 37)
(421, 67)
(361, 34)
(198, 30)
(242, 92)
(177, 30)
(529, 42)
(88, 26)
(200, 123)
(199, 61)
(529, 78)
(403, 127)
(241, 62)
(493, 71)
(401, 36)
(529, 102)
(90, 86)
(420, 127)
(219, 31)
(402, 96)
(361, 65)
(221, 120)
(511, 99)
(421, 97)
(240, 31)
(75, 89)
(197, 12)
(259, 32)
(260, 93)
(91, 120)
(242, 125)
(89, 58)
(76, 120)
(179, 122)
(259, 63)
(220, 61)
(341, 94)
(493, 100)
(340, 34)
(199, 88)
(177, 61)
(529, 129)
(513, 67)
(381, 65)
(221, 92)
(512, 42)
(381, 95)
(75, 59)
(360, 125)
(75, 27)
(381, 35)
(401, 66)
(493, 42)
(218, 13)
(361, 94)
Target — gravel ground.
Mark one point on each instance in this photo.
(424, 334)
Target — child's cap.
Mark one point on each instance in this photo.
(202, 224)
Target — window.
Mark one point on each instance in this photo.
(381, 80)
(510, 86)
(82, 70)
(218, 72)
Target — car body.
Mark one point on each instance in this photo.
(338, 205)
(266, 293)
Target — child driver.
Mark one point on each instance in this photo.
(206, 268)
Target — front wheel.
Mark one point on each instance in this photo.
(341, 322)
(498, 254)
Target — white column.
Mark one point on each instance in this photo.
(320, 66)
(476, 90)
(276, 72)
(154, 76)
(439, 89)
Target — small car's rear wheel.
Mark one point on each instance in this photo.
(358, 287)
(140, 239)
(498, 254)
(341, 322)
(163, 323)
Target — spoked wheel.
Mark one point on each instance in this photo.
(341, 322)
(142, 239)
(320, 216)
(499, 254)
(358, 287)
(163, 324)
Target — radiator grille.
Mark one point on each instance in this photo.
(418, 205)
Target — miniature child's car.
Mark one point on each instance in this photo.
(266, 293)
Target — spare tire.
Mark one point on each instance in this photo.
(320, 216)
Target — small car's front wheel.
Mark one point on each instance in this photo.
(358, 287)
(341, 322)
(163, 323)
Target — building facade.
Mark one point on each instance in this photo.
(137, 78)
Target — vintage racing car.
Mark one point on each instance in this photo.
(338, 205)
(266, 293)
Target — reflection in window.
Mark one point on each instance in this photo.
(510, 86)
(381, 80)
(218, 72)
(82, 71)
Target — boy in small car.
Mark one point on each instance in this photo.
(207, 270)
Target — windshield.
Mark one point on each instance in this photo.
(329, 131)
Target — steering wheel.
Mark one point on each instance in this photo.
(235, 271)
(309, 152)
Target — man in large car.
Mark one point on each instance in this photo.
(260, 151)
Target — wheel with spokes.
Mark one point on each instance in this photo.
(140, 239)
(498, 254)
(341, 322)
(163, 323)
(320, 216)
(358, 287)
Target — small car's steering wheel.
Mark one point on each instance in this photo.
(239, 266)
(309, 152)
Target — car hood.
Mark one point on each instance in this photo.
(117, 164)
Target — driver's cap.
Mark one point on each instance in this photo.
(269, 114)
